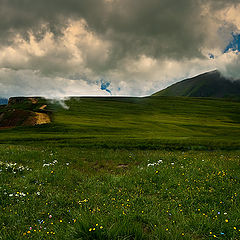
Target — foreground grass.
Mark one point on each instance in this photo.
(74, 193)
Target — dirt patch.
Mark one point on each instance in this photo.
(122, 166)
(37, 119)
(43, 107)
(12, 118)
(33, 100)
(15, 117)
(22, 111)
(42, 118)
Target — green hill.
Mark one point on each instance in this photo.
(211, 84)
(145, 123)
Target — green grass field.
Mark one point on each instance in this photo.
(124, 168)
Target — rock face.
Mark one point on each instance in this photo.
(37, 119)
(22, 100)
(24, 111)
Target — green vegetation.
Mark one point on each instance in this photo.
(211, 84)
(142, 123)
(124, 168)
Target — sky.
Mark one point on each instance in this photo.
(62, 48)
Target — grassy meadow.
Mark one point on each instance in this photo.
(124, 168)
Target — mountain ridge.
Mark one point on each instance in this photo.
(211, 84)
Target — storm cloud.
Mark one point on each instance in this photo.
(138, 46)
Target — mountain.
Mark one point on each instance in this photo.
(210, 84)
(3, 101)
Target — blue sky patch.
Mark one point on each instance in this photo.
(234, 44)
(105, 85)
(211, 56)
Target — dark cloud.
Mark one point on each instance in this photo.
(121, 40)
(166, 28)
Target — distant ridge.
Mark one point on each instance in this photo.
(3, 101)
(210, 84)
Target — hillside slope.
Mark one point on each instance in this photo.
(144, 123)
(211, 84)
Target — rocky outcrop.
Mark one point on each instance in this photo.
(21, 100)
(24, 111)
(37, 119)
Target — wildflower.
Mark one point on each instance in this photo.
(60, 220)
(90, 229)
(226, 220)
(50, 216)
(101, 227)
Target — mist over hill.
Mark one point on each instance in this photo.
(211, 84)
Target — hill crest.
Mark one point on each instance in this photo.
(211, 84)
